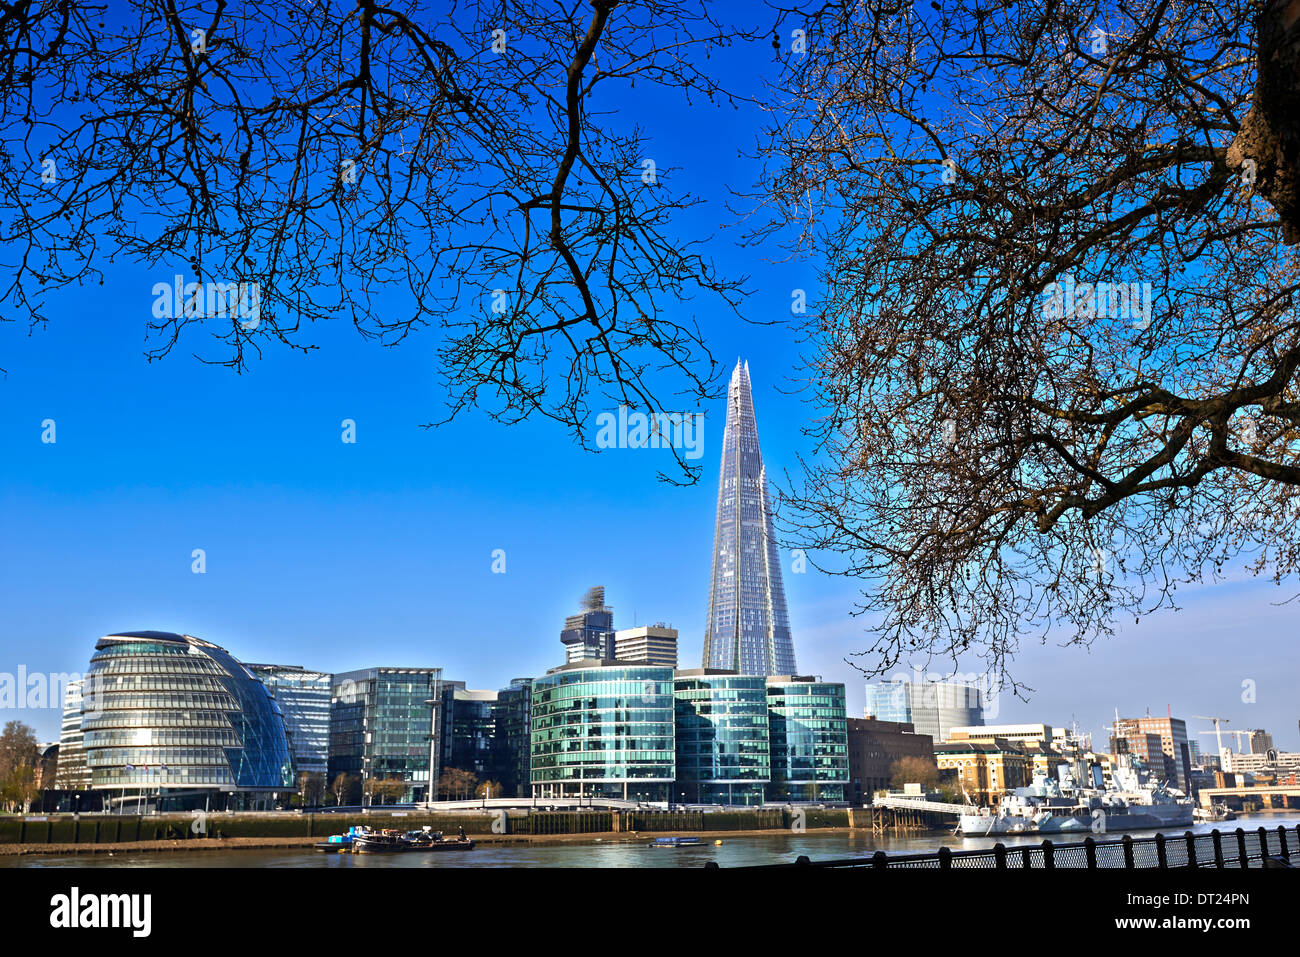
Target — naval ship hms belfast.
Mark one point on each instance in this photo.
(1133, 802)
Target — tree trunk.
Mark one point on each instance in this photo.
(1269, 135)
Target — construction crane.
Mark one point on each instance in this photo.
(1218, 734)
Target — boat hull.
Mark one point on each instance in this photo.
(363, 846)
(1136, 819)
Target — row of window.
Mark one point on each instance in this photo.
(109, 757)
(197, 700)
(153, 777)
(150, 664)
(142, 737)
(154, 719)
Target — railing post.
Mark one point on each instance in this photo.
(1127, 841)
(945, 859)
(1281, 839)
(1241, 848)
(1049, 861)
(1191, 849)
(1025, 860)
(1000, 856)
(1090, 852)
(1263, 844)
(1218, 847)
(878, 860)
(1162, 856)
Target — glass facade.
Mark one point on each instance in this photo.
(931, 707)
(748, 627)
(71, 772)
(469, 728)
(381, 722)
(304, 700)
(722, 738)
(175, 713)
(604, 731)
(809, 735)
(513, 728)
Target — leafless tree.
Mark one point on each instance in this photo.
(393, 165)
(1010, 444)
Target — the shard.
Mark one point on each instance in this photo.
(748, 628)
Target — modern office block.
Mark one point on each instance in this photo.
(603, 729)
(809, 735)
(71, 772)
(513, 730)
(723, 747)
(382, 726)
(931, 707)
(304, 699)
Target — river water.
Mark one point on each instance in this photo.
(783, 847)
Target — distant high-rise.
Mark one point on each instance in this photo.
(653, 644)
(931, 707)
(748, 629)
(590, 633)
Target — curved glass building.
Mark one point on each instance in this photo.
(603, 730)
(178, 718)
(810, 743)
(722, 737)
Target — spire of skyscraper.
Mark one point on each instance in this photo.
(748, 628)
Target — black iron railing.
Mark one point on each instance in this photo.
(1234, 849)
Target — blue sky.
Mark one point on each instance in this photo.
(340, 556)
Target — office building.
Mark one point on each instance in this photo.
(604, 729)
(931, 707)
(71, 772)
(589, 635)
(1261, 742)
(179, 719)
(1021, 733)
(649, 644)
(1177, 757)
(748, 627)
(723, 750)
(874, 747)
(513, 722)
(304, 700)
(382, 727)
(469, 730)
(808, 730)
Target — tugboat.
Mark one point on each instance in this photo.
(342, 843)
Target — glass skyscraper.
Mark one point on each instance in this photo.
(748, 628)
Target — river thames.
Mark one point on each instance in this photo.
(783, 847)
